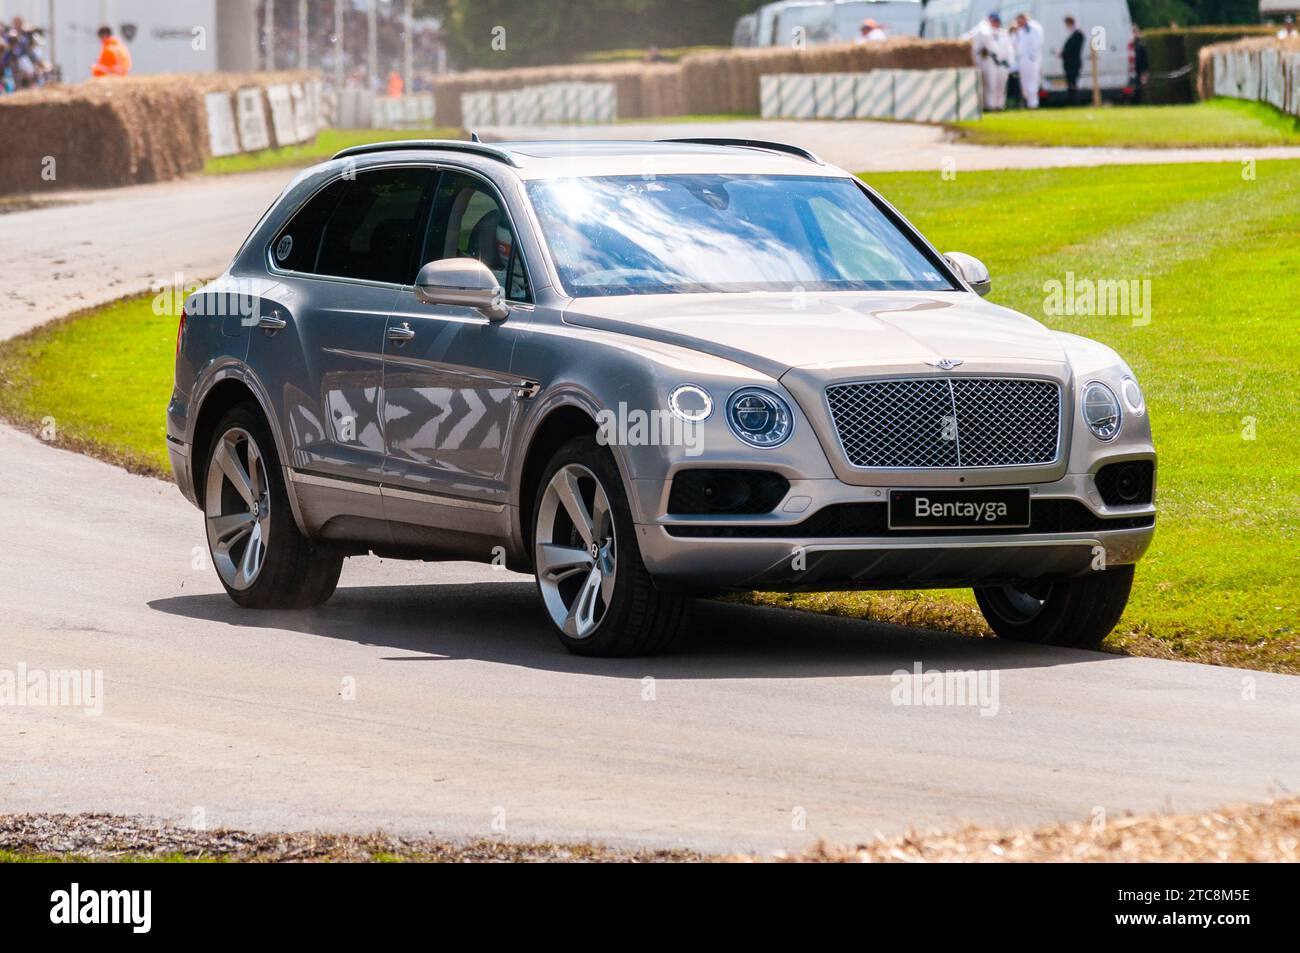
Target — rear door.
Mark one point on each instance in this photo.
(449, 398)
(340, 262)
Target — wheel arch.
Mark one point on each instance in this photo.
(226, 388)
(557, 425)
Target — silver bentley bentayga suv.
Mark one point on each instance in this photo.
(646, 371)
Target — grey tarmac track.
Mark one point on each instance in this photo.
(869, 146)
(467, 711)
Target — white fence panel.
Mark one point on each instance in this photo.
(874, 95)
(798, 100)
(769, 95)
(911, 91)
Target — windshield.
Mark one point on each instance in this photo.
(621, 235)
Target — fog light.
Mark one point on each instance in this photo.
(1128, 482)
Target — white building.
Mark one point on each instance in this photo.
(176, 36)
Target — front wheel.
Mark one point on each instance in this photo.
(262, 559)
(594, 587)
(1076, 613)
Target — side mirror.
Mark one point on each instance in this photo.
(972, 271)
(462, 282)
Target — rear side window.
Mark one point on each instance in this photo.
(365, 228)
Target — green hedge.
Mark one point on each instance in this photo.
(1169, 50)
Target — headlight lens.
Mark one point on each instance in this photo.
(759, 417)
(690, 403)
(1101, 411)
(1133, 398)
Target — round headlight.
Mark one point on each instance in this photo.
(1101, 411)
(1132, 395)
(759, 417)
(690, 403)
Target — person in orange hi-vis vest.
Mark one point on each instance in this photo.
(114, 57)
(395, 84)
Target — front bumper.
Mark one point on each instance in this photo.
(778, 551)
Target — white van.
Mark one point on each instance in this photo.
(823, 21)
(896, 17)
(950, 19)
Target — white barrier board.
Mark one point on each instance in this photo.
(253, 132)
(221, 125)
(282, 119)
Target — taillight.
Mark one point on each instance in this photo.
(180, 332)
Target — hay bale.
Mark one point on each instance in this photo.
(717, 81)
(113, 132)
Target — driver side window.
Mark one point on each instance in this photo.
(469, 222)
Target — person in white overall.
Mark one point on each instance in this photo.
(993, 55)
(1029, 57)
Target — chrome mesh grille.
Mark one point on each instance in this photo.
(938, 422)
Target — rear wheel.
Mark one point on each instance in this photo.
(594, 587)
(262, 559)
(1078, 613)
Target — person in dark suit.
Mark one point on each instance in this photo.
(1072, 60)
(1141, 67)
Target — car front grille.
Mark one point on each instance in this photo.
(939, 423)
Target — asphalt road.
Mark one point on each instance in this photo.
(869, 146)
(430, 699)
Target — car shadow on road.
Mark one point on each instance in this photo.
(501, 622)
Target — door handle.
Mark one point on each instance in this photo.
(401, 333)
(272, 322)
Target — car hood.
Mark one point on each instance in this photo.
(836, 335)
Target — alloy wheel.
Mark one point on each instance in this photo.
(238, 509)
(575, 551)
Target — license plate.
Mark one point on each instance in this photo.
(958, 509)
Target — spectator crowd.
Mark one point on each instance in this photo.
(324, 52)
(1010, 61)
(23, 62)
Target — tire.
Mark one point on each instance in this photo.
(603, 603)
(261, 558)
(1076, 613)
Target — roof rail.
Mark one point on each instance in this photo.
(785, 147)
(452, 145)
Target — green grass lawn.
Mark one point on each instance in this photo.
(328, 142)
(113, 403)
(1218, 122)
(1222, 580)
